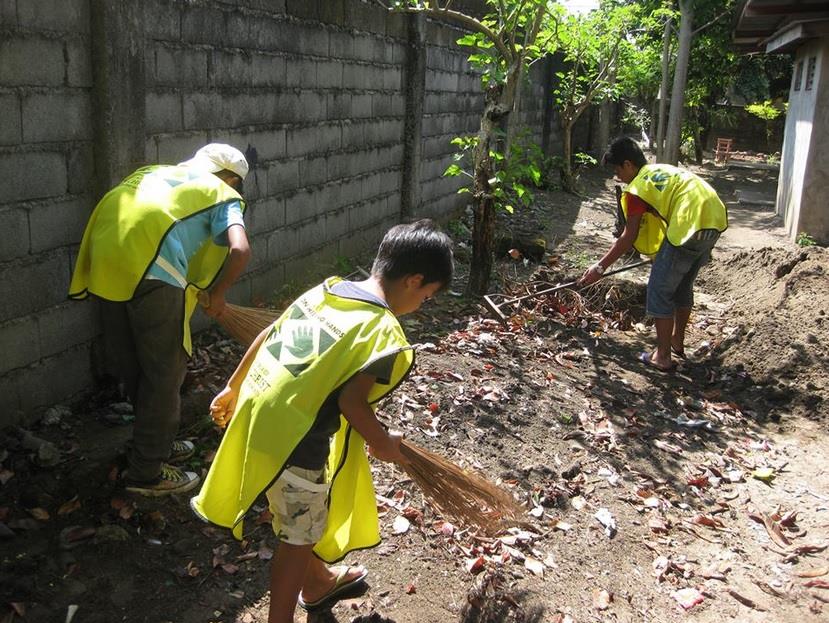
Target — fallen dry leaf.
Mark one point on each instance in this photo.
(745, 600)
(772, 528)
(764, 474)
(688, 597)
(40, 514)
(475, 565)
(601, 599)
(812, 573)
(70, 506)
(817, 584)
(667, 447)
(535, 566)
(707, 521)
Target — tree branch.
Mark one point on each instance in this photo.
(716, 19)
(459, 18)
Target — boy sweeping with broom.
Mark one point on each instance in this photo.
(300, 412)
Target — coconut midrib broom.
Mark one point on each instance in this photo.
(462, 496)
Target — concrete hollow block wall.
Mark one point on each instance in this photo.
(346, 111)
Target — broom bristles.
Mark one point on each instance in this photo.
(244, 323)
(459, 494)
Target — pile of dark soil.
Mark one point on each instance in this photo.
(780, 314)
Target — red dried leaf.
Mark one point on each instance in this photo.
(701, 482)
(708, 521)
(475, 565)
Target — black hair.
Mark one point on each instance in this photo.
(415, 248)
(625, 148)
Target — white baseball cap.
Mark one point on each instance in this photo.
(216, 157)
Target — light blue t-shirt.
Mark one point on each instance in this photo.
(186, 237)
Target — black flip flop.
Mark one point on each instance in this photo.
(647, 358)
(341, 587)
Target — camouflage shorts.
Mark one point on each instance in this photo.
(298, 501)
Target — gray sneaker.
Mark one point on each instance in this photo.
(181, 451)
(171, 480)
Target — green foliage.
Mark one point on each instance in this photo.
(723, 117)
(509, 20)
(514, 178)
(457, 229)
(805, 240)
(768, 112)
(765, 110)
(636, 116)
(590, 44)
(343, 265)
(582, 159)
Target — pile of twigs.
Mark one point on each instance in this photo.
(460, 495)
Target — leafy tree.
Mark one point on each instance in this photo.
(503, 44)
(590, 45)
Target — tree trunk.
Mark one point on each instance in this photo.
(499, 101)
(483, 224)
(663, 92)
(605, 108)
(567, 148)
(513, 121)
(697, 138)
(683, 54)
(654, 122)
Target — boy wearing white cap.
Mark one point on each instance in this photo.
(156, 240)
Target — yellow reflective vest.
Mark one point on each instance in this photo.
(126, 229)
(683, 204)
(318, 344)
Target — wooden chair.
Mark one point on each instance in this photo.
(723, 150)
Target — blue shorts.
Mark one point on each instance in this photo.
(674, 270)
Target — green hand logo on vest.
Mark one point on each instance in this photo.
(659, 179)
(298, 341)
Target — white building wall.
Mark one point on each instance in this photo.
(804, 174)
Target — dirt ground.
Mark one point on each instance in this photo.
(699, 495)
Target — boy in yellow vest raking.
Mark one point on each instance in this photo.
(299, 408)
(675, 216)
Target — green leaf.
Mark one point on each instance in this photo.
(452, 170)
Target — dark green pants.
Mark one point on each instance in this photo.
(143, 340)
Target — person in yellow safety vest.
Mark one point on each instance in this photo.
(675, 217)
(300, 412)
(153, 243)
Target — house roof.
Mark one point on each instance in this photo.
(776, 26)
